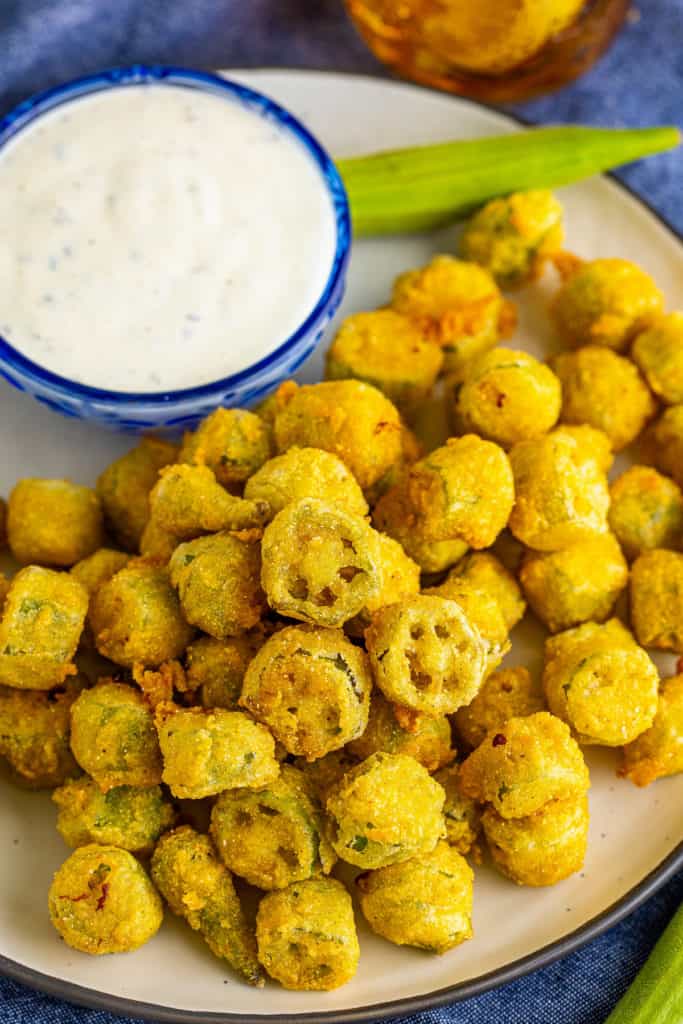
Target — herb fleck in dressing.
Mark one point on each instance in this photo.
(158, 238)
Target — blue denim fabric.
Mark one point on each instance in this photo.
(640, 81)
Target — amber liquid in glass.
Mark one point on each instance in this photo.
(494, 50)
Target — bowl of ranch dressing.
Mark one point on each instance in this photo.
(172, 241)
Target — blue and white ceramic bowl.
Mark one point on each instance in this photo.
(174, 410)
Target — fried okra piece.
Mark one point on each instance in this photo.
(483, 612)
(400, 578)
(385, 810)
(590, 443)
(484, 571)
(218, 583)
(136, 617)
(388, 351)
(433, 556)
(601, 683)
(99, 567)
(507, 396)
(428, 741)
(461, 814)
(426, 654)
(199, 888)
(463, 491)
(513, 236)
(458, 496)
(543, 848)
(53, 522)
(578, 584)
(455, 304)
(646, 511)
(188, 501)
(305, 473)
(432, 422)
(113, 737)
(160, 684)
(348, 418)
(658, 751)
(663, 443)
(208, 750)
(561, 493)
(234, 443)
(657, 600)
(216, 668)
(125, 485)
(424, 902)
(311, 687)
(157, 544)
(41, 625)
(509, 552)
(438, 553)
(523, 765)
(658, 352)
(91, 573)
(34, 734)
(606, 391)
(270, 406)
(606, 302)
(320, 563)
(274, 836)
(322, 775)
(102, 901)
(306, 935)
(129, 817)
(508, 693)
(411, 451)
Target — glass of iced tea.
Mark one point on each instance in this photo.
(493, 50)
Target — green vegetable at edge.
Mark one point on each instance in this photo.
(656, 996)
(424, 187)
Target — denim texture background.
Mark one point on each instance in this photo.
(640, 81)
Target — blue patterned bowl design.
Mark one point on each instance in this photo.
(172, 411)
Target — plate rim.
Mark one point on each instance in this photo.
(665, 871)
(89, 998)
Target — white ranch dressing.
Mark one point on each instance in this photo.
(156, 238)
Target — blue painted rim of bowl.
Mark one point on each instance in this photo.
(31, 109)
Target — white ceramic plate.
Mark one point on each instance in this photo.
(635, 841)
